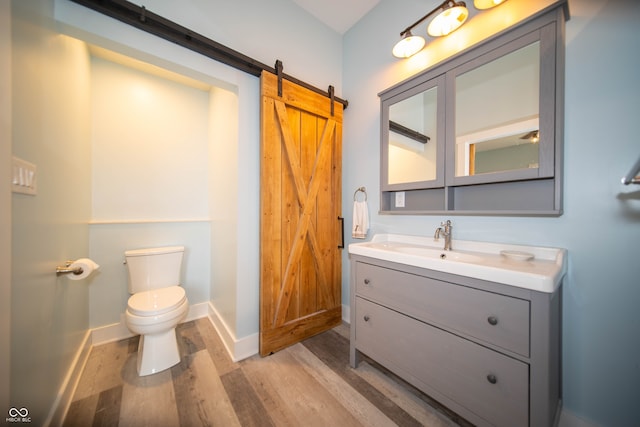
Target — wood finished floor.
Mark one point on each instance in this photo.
(308, 384)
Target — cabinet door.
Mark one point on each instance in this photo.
(412, 148)
(501, 113)
(453, 370)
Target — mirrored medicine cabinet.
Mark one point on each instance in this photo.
(481, 133)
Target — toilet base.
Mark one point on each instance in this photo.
(157, 352)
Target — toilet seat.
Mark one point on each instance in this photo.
(156, 302)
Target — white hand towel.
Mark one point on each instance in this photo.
(360, 220)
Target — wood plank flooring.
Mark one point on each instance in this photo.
(308, 384)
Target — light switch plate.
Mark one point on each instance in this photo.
(24, 178)
(399, 199)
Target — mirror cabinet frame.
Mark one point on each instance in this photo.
(524, 192)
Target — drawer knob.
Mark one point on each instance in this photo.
(367, 281)
(492, 378)
(366, 317)
(493, 320)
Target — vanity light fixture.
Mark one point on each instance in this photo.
(533, 136)
(486, 4)
(450, 19)
(408, 46)
(450, 16)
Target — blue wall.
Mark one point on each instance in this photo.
(601, 222)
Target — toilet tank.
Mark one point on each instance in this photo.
(154, 268)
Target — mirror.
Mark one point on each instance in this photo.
(412, 148)
(497, 114)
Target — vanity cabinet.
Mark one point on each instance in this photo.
(488, 351)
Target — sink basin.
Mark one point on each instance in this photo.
(434, 253)
(530, 267)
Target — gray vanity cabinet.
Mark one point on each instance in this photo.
(488, 351)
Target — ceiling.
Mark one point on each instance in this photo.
(340, 15)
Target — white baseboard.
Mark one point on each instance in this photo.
(68, 388)
(197, 311)
(346, 314)
(237, 349)
(109, 333)
(243, 348)
(119, 331)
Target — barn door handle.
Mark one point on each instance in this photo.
(341, 219)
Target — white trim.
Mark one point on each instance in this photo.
(110, 333)
(145, 221)
(119, 331)
(346, 314)
(64, 398)
(237, 349)
(197, 311)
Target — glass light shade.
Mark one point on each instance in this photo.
(408, 46)
(449, 20)
(487, 4)
(535, 138)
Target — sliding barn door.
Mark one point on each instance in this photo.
(300, 202)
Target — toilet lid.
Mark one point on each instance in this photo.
(157, 301)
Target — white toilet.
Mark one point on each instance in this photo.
(156, 306)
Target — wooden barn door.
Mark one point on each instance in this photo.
(300, 202)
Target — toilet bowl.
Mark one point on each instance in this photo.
(154, 315)
(156, 306)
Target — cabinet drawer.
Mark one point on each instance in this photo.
(493, 318)
(444, 364)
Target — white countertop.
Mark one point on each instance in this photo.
(530, 267)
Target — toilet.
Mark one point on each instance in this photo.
(157, 304)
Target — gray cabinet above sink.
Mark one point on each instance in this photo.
(482, 132)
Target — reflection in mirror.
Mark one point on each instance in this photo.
(509, 147)
(497, 114)
(412, 138)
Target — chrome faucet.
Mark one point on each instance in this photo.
(445, 229)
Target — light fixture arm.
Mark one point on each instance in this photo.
(424, 18)
(452, 14)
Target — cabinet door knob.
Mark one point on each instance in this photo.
(493, 320)
(367, 281)
(492, 378)
(366, 317)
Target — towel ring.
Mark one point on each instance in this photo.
(360, 190)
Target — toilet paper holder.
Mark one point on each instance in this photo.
(67, 269)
